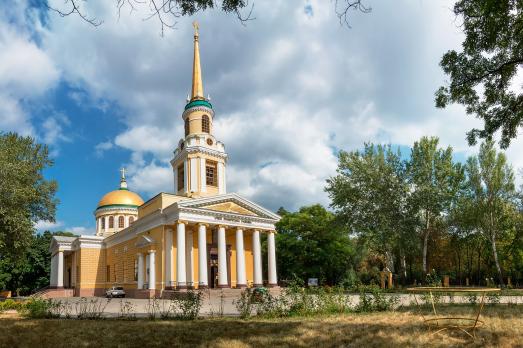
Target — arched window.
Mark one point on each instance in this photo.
(205, 124)
(103, 223)
(111, 222)
(186, 126)
(121, 222)
(131, 220)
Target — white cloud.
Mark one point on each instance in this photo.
(42, 225)
(26, 71)
(80, 230)
(288, 89)
(102, 147)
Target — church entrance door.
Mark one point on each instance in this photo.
(212, 265)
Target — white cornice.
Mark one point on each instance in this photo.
(198, 149)
(197, 108)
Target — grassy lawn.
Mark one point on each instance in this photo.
(504, 328)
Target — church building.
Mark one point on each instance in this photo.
(198, 237)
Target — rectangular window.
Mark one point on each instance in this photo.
(181, 177)
(108, 274)
(211, 173)
(135, 270)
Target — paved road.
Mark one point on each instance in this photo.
(214, 304)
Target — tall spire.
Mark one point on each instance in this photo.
(197, 85)
(123, 182)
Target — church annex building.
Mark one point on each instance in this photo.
(198, 237)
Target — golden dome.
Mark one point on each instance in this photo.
(121, 197)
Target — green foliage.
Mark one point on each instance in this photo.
(369, 195)
(481, 75)
(325, 249)
(189, 305)
(245, 303)
(373, 299)
(10, 304)
(91, 309)
(38, 308)
(435, 180)
(25, 196)
(30, 271)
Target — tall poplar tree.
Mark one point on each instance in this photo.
(490, 181)
(434, 180)
(369, 194)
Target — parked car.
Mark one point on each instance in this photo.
(115, 291)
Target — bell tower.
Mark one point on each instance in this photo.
(199, 160)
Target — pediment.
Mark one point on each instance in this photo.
(144, 241)
(229, 204)
(229, 207)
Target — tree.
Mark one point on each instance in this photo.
(25, 195)
(482, 75)
(369, 194)
(490, 181)
(168, 11)
(310, 244)
(434, 182)
(32, 270)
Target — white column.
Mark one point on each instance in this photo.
(221, 179)
(181, 281)
(60, 267)
(140, 270)
(189, 259)
(202, 257)
(168, 258)
(194, 175)
(175, 175)
(185, 176)
(98, 226)
(256, 250)
(271, 251)
(152, 269)
(54, 270)
(240, 260)
(203, 179)
(222, 259)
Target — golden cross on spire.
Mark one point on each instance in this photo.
(196, 27)
(123, 173)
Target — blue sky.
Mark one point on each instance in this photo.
(288, 89)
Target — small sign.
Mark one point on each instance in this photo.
(313, 282)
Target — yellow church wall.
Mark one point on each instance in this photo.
(91, 268)
(160, 201)
(195, 122)
(249, 258)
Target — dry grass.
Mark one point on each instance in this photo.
(392, 329)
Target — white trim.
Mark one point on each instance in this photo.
(221, 177)
(175, 175)
(185, 175)
(194, 174)
(203, 179)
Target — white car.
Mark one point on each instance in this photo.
(115, 291)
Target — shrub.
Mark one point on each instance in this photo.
(189, 306)
(372, 299)
(493, 298)
(126, 310)
(472, 298)
(244, 303)
(37, 308)
(91, 309)
(11, 304)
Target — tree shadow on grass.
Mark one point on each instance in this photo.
(347, 330)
